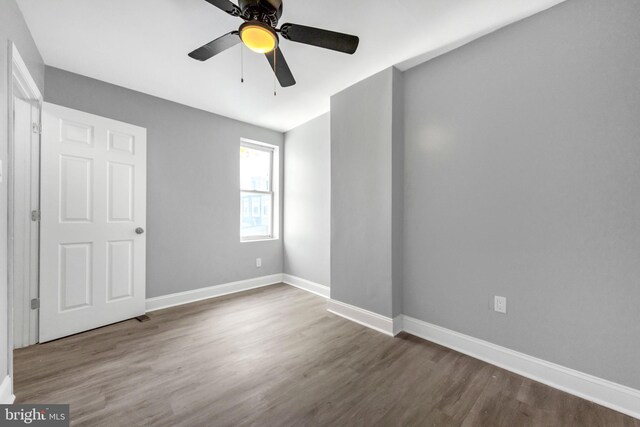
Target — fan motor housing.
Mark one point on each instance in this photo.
(267, 11)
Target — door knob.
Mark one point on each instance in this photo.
(139, 230)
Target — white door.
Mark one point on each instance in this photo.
(93, 210)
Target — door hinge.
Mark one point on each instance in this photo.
(35, 304)
(35, 216)
(35, 127)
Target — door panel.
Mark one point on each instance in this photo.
(76, 196)
(93, 199)
(121, 142)
(76, 133)
(121, 192)
(75, 285)
(120, 270)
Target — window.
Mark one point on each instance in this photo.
(258, 179)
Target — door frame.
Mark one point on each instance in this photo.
(20, 82)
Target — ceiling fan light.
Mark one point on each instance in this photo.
(258, 37)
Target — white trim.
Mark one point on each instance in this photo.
(18, 75)
(307, 285)
(180, 298)
(603, 392)
(21, 73)
(6, 397)
(372, 320)
(24, 243)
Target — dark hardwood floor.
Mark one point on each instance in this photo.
(276, 357)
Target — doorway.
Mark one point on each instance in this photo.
(24, 217)
(22, 174)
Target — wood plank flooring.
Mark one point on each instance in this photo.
(275, 357)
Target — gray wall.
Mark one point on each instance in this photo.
(523, 180)
(397, 188)
(12, 27)
(193, 205)
(307, 201)
(362, 208)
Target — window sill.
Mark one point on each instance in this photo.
(266, 239)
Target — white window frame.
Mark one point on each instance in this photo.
(274, 185)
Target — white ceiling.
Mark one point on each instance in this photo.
(143, 45)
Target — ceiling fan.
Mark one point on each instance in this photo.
(259, 33)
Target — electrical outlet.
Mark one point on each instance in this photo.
(500, 304)
(258, 262)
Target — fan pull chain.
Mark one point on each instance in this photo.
(241, 63)
(275, 68)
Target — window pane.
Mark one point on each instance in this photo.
(255, 215)
(255, 169)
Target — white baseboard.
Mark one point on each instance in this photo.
(6, 396)
(398, 325)
(307, 285)
(180, 298)
(372, 320)
(603, 392)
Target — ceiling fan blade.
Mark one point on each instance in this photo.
(321, 38)
(226, 6)
(283, 73)
(215, 47)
